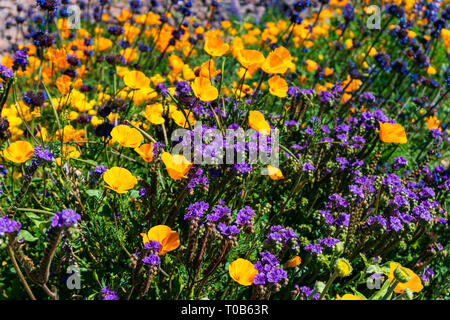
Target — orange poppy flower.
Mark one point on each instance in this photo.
(177, 166)
(275, 173)
(242, 271)
(433, 122)
(311, 65)
(145, 151)
(208, 69)
(176, 64)
(274, 64)
(126, 136)
(129, 54)
(215, 46)
(179, 117)
(204, 90)
(250, 59)
(414, 284)
(63, 83)
(18, 152)
(154, 112)
(392, 133)
(124, 15)
(328, 72)
(257, 122)
(103, 44)
(278, 86)
(169, 239)
(278, 61)
(119, 179)
(286, 56)
(136, 80)
(295, 261)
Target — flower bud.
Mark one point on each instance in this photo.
(342, 267)
(401, 275)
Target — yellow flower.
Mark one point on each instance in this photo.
(129, 54)
(179, 118)
(257, 122)
(119, 179)
(18, 152)
(103, 44)
(153, 113)
(328, 72)
(204, 90)
(311, 65)
(278, 86)
(250, 59)
(208, 69)
(136, 80)
(177, 166)
(169, 239)
(342, 267)
(431, 70)
(275, 173)
(242, 271)
(278, 61)
(433, 122)
(414, 284)
(126, 136)
(215, 46)
(392, 133)
(124, 15)
(348, 296)
(145, 151)
(64, 83)
(295, 261)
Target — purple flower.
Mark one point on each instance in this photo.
(309, 131)
(396, 224)
(100, 169)
(67, 218)
(242, 167)
(260, 278)
(368, 96)
(152, 245)
(227, 230)
(162, 88)
(5, 72)
(196, 210)
(314, 248)
(399, 162)
(142, 193)
(244, 216)
(325, 96)
(219, 211)
(329, 242)
(43, 154)
(108, 294)
(308, 167)
(282, 235)
(20, 60)
(356, 190)
(152, 260)
(8, 226)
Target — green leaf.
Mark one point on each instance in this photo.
(373, 268)
(134, 193)
(94, 193)
(359, 294)
(380, 293)
(27, 236)
(364, 258)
